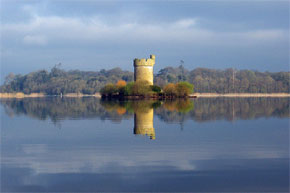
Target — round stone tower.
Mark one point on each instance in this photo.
(143, 69)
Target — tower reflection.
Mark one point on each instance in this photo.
(143, 110)
(143, 123)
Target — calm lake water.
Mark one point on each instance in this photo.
(89, 145)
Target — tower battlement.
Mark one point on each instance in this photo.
(145, 62)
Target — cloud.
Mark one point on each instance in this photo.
(110, 35)
(93, 29)
(185, 23)
(74, 159)
(34, 40)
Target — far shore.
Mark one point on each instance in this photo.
(204, 95)
(194, 95)
(36, 95)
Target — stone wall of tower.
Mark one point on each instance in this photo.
(143, 69)
(144, 73)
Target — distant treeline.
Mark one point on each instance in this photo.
(226, 81)
(59, 81)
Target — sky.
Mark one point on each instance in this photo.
(94, 35)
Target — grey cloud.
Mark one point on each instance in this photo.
(203, 34)
(42, 30)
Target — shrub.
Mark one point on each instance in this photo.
(183, 89)
(170, 90)
(155, 88)
(126, 90)
(121, 83)
(141, 87)
(109, 90)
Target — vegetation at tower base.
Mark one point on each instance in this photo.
(143, 89)
(205, 80)
(137, 89)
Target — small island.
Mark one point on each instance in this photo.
(141, 89)
(143, 86)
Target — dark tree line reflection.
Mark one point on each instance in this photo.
(56, 108)
(201, 109)
(207, 109)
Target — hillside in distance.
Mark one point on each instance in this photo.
(205, 80)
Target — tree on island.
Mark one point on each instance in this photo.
(183, 89)
(180, 89)
(109, 90)
(170, 90)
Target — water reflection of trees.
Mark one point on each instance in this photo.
(201, 109)
(56, 108)
(207, 109)
(240, 108)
